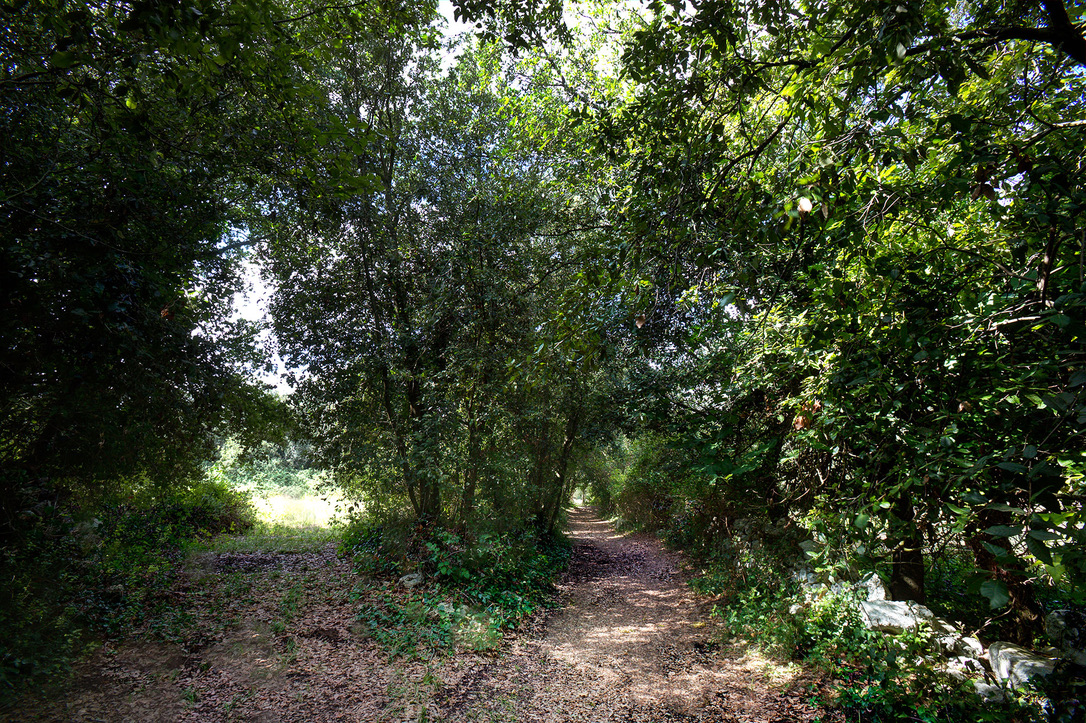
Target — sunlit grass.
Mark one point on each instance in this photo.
(287, 511)
(285, 523)
(273, 538)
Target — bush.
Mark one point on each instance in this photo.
(881, 677)
(489, 577)
(98, 571)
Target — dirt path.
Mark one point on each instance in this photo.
(278, 642)
(630, 643)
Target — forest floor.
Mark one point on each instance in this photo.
(272, 636)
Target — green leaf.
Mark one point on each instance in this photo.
(1004, 531)
(1029, 451)
(63, 59)
(996, 592)
(861, 521)
(1039, 550)
(1000, 553)
(977, 68)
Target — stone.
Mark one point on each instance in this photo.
(961, 645)
(962, 667)
(1016, 666)
(805, 576)
(988, 693)
(873, 584)
(941, 626)
(1067, 631)
(973, 645)
(411, 579)
(894, 616)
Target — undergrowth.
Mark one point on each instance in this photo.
(75, 576)
(882, 677)
(470, 586)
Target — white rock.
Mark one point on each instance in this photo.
(840, 588)
(1017, 666)
(962, 667)
(957, 645)
(950, 643)
(894, 616)
(805, 577)
(874, 586)
(988, 693)
(976, 648)
(943, 626)
(411, 579)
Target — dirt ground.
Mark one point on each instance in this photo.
(629, 642)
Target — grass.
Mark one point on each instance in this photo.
(271, 538)
(284, 523)
(293, 512)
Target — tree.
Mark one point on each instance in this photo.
(408, 305)
(880, 199)
(138, 140)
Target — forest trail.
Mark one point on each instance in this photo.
(630, 642)
(279, 642)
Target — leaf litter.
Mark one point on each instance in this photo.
(274, 637)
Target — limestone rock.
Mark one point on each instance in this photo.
(962, 667)
(942, 626)
(1067, 631)
(956, 644)
(988, 693)
(894, 616)
(873, 584)
(411, 579)
(1017, 666)
(805, 576)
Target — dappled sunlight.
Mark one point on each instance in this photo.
(630, 621)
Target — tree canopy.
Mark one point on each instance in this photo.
(815, 265)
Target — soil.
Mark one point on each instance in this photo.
(279, 642)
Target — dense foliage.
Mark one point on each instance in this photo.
(874, 213)
(139, 142)
(439, 370)
(753, 272)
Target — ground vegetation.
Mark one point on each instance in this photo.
(763, 276)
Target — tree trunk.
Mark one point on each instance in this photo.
(907, 573)
(471, 472)
(562, 469)
(1025, 610)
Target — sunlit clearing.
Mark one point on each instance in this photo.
(286, 511)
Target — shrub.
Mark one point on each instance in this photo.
(97, 571)
(483, 579)
(881, 677)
